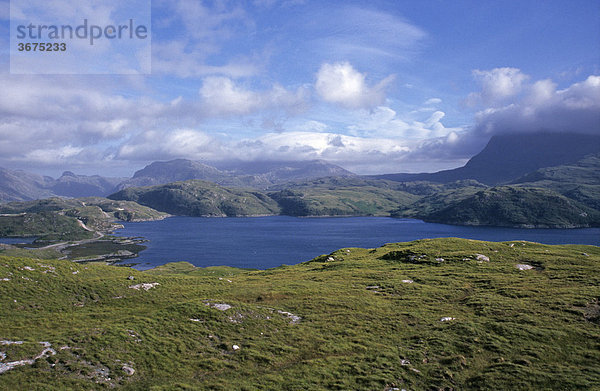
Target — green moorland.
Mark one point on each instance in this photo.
(200, 198)
(579, 181)
(75, 229)
(547, 203)
(339, 196)
(430, 314)
(509, 206)
(58, 219)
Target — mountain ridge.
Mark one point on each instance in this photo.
(19, 185)
(501, 161)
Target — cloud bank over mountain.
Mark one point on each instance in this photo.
(374, 89)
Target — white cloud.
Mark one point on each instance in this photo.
(383, 121)
(311, 126)
(433, 101)
(183, 60)
(573, 109)
(198, 36)
(358, 33)
(497, 85)
(221, 96)
(179, 143)
(358, 154)
(53, 156)
(310, 145)
(340, 83)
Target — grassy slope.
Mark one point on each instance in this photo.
(48, 225)
(56, 219)
(463, 202)
(534, 329)
(341, 196)
(200, 198)
(515, 206)
(579, 181)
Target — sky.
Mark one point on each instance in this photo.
(375, 87)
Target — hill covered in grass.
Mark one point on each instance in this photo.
(515, 207)
(547, 203)
(200, 198)
(55, 219)
(430, 314)
(341, 197)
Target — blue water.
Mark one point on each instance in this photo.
(265, 242)
(16, 240)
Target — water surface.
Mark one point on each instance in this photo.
(265, 242)
(27, 240)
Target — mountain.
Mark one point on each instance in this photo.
(159, 173)
(18, 185)
(341, 196)
(510, 156)
(562, 196)
(282, 171)
(512, 206)
(332, 196)
(252, 174)
(71, 185)
(579, 181)
(200, 198)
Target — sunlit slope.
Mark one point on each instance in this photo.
(430, 314)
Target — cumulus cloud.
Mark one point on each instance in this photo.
(383, 121)
(45, 114)
(162, 145)
(341, 84)
(497, 85)
(221, 96)
(362, 155)
(544, 108)
(333, 147)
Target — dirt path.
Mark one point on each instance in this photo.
(62, 245)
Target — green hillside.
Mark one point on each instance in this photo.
(341, 197)
(545, 203)
(200, 198)
(579, 181)
(516, 207)
(55, 219)
(48, 225)
(431, 314)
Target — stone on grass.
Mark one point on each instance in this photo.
(482, 258)
(522, 266)
(219, 306)
(129, 371)
(145, 286)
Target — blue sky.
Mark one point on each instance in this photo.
(380, 86)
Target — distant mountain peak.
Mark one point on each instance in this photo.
(507, 157)
(258, 174)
